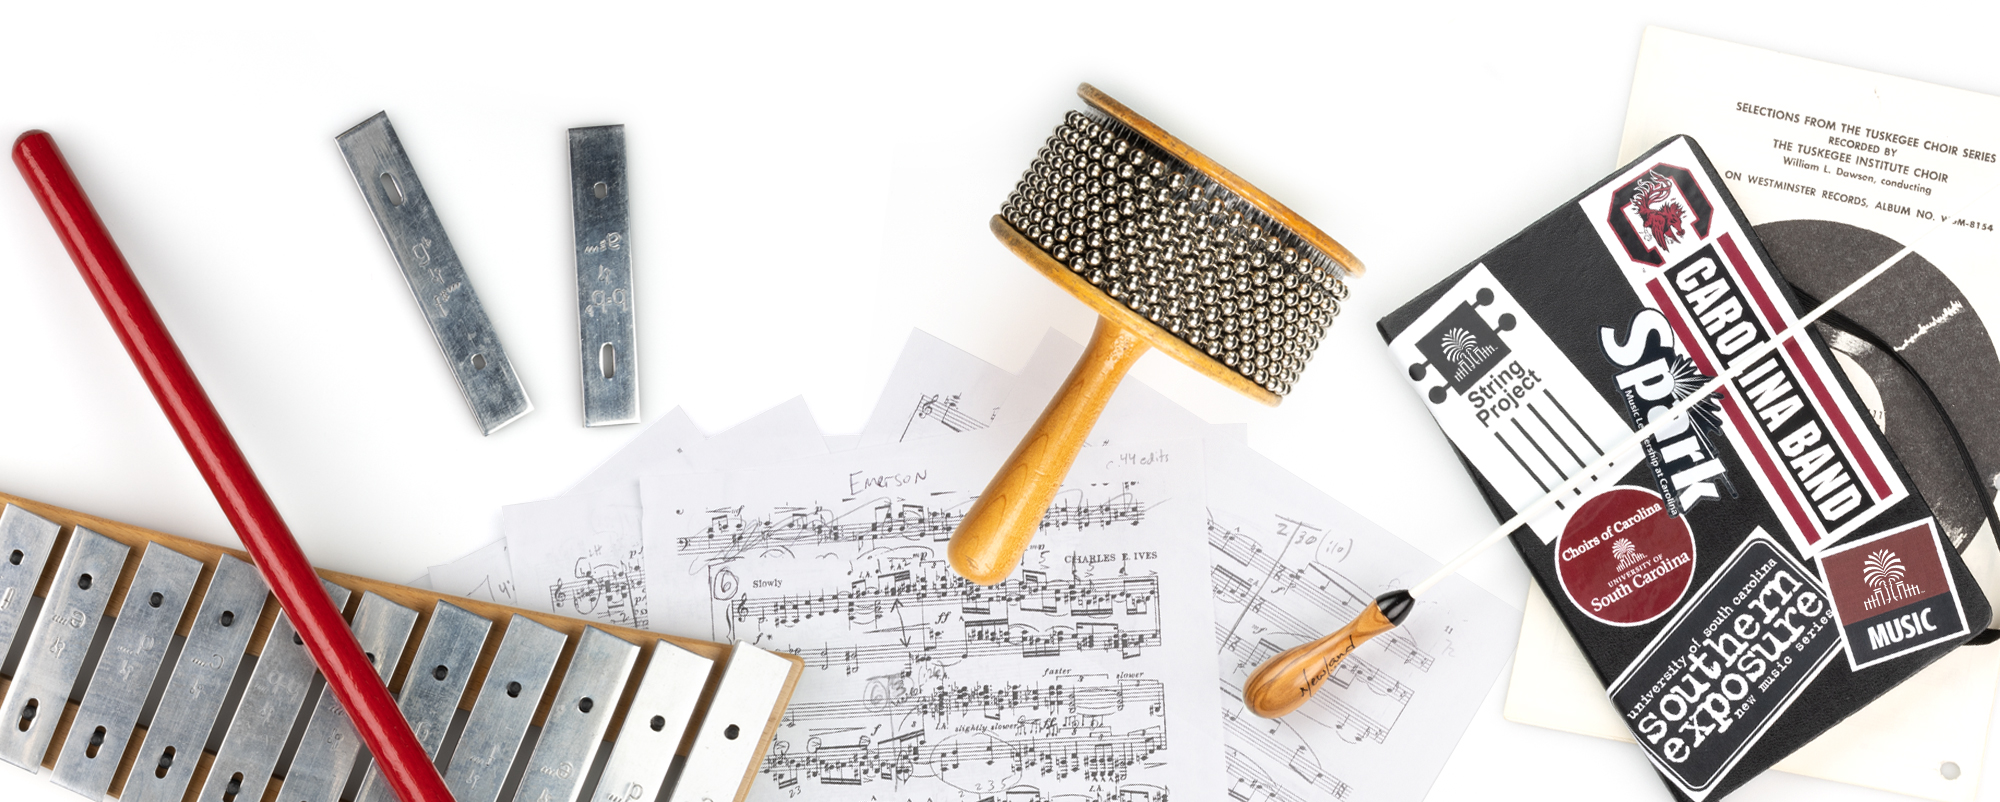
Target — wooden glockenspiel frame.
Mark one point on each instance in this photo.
(425, 604)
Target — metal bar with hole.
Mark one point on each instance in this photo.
(578, 717)
(604, 301)
(57, 646)
(126, 670)
(25, 542)
(729, 744)
(654, 724)
(200, 682)
(438, 675)
(430, 265)
(507, 702)
(264, 716)
(330, 746)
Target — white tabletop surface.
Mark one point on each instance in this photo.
(808, 185)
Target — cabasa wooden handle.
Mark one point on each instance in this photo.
(1286, 681)
(988, 544)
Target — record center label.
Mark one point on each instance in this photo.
(1623, 560)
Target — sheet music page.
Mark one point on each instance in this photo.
(1290, 565)
(1084, 676)
(661, 448)
(935, 389)
(784, 432)
(484, 574)
(579, 555)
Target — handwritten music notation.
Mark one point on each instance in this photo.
(923, 687)
(1287, 564)
(944, 409)
(872, 598)
(1249, 780)
(968, 761)
(895, 696)
(1278, 588)
(1274, 591)
(976, 738)
(730, 532)
(937, 616)
(608, 590)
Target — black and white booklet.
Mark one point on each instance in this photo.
(1754, 573)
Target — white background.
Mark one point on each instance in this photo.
(809, 183)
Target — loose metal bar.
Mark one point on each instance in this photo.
(438, 281)
(601, 214)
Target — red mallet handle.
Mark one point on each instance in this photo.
(348, 674)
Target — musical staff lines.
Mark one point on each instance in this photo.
(1287, 564)
(892, 695)
(1312, 583)
(612, 591)
(954, 732)
(944, 410)
(1093, 757)
(938, 617)
(923, 687)
(731, 533)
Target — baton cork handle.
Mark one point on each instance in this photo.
(990, 540)
(1286, 681)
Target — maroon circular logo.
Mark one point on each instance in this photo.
(1622, 559)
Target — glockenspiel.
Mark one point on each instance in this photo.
(613, 705)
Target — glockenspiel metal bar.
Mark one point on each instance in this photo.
(126, 670)
(507, 701)
(605, 311)
(172, 747)
(25, 542)
(195, 689)
(436, 278)
(439, 673)
(578, 718)
(264, 717)
(57, 646)
(330, 746)
(727, 746)
(654, 724)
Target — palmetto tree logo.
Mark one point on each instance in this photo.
(1459, 345)
(1463, 350)
(1883, 571)
(1626, 554)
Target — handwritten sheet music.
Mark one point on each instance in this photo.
(579, 555)
(1291, 564)
(484, 574)
(487, 573)
(935, 389)
(1082, 677)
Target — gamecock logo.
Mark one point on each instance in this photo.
(1656, 207)
(1652, 213)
